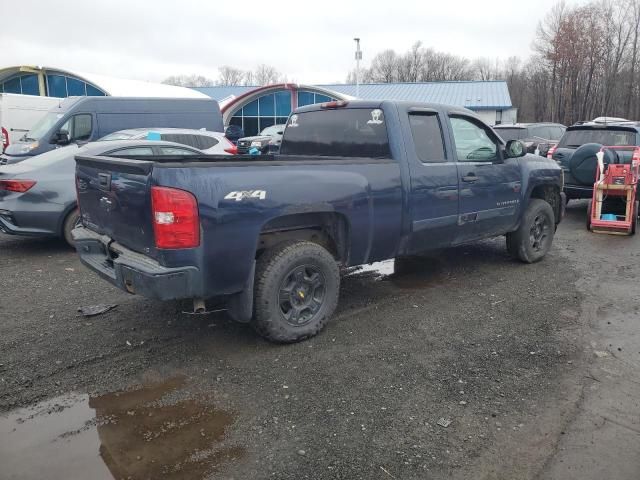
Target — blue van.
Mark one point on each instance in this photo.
(85, 119)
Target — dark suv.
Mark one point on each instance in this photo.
(576, 152)
(535, 136)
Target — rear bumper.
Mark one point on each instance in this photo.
(133, 272)
(8, 226)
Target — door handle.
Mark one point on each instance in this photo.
(470, 178)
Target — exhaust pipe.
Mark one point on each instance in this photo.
(199, 306)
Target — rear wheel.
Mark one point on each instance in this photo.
(589, 212)
(634, 218)
(296, 291)
(73, 219)
(533, 239)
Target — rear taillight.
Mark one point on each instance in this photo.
(176, 222)
(551, 151)
(5, 138)
(16, 185)
(233, 150)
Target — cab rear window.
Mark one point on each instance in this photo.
(343, 132)
(610, 137)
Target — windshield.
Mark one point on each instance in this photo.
(118, 136)
(511, 133)
(272, 130)
(42, 126)
(610, 137)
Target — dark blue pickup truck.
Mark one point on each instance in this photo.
(354, 183)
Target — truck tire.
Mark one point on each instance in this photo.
(589, 212)
(533, 239)
(69, 224)
(634, 217)
(296, 291)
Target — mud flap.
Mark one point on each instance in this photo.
(240, 305)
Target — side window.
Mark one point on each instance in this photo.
(427, 137)
(133, 151)
(473, 142)
(81, 127)
(176, 151)
(205, 142)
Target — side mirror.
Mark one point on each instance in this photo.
(62, 138)
(515, 149)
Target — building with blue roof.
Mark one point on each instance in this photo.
(255, 108)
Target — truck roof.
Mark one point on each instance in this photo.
(402, 105)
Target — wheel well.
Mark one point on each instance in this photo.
(330, 230)
(551, 195)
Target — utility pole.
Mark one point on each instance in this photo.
(358, 58)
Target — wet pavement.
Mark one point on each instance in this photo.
(504, 351)
(128, 434)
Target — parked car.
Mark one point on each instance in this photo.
(211, 143)
(267, 142)
(576, 152)
(537, 137)
(354, 183)
(38, 195)
(18, 113)
(85, 119)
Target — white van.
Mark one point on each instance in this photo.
(18, 113)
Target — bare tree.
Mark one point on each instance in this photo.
(266, 74)
(189, 81)
(384, 67)
(230, 76)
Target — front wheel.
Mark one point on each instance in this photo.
(533, 239)
(296, 291)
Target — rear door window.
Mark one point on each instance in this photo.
(342, 132)
(176, 151)
(133, 151)
(427, 137)
(206, 142)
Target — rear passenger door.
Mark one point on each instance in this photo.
(433, 200)
(489, 184)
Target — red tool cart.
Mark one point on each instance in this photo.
(614, 204)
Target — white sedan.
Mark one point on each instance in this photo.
(212, 143)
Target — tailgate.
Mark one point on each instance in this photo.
(114, 199)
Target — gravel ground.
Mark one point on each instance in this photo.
(468, 335)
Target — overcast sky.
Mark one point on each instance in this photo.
(310, 42)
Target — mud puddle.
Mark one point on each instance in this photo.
(134, 434)
(411, 273)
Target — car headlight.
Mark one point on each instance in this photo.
(27, 147)
(256, 143)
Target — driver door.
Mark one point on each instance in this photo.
(489, 184)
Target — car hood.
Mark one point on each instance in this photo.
(16, 169)
(261, 138)
(532, 158)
